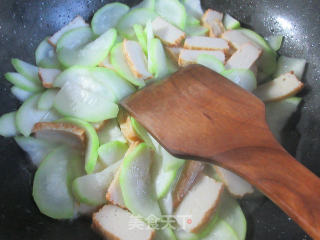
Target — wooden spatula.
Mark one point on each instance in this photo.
(198, 114)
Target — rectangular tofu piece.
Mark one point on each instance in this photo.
(206, 43)
(187, 56)
(199, 204)
(75, 23)
(237, 186)
(286, 85)
(115, 223)
(136, 59)
(47, 76)
(237, 39)
(212, 20)
(167, 33)
(114, 193)
(245, 57)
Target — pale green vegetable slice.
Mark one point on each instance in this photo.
(52, 182)
(192, 21)
(230, 22)
(278, 113)
(111, 132)
(119, 62)
(141, 36)
(112, 80)
(165, 234)
(22, 82)
(221, 231)
(29, 114)
(142, 132)
(275, 42)
(72, 73)
(135, 16)
(158, 59)
(90, 54)
(138, 193)
(172, 11)
(37, 149)
(75, 38)
(86, 99)
(112, 152)
(193, 7)
(20, 94)
(146, 4)
(46, 99)
(196, 30)
(149, 35)
(183, 235)
(230, 212)
(211, 62)
(243, 77)
(267, 63)
(107, 17)
(26, 69)
(8, 125)
(287, 64)
(91, 155)
(91, 189)
(46, 56)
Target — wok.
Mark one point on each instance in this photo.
(24, 23)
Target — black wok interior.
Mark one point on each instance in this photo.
(24, 23)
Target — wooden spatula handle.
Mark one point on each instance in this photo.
(294, 188)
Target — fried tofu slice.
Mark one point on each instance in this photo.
(167, 33)
(173, 53)
(237, 39)
(75, 23)
(115, 223)
(126, 127)
(236, 186)
(61, 133)
(136, 59)
(114, 193)
(199, 204)
(47, 76)
(206, 43)
(212, 20)
(187, 56)
(286, 85)
(99, 125)
(187, 178)
(245, 57)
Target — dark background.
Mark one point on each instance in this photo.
(23, 24)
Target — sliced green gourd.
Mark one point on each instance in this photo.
(86, 99)
(37, 149)
(85, 53)
(172, 11)
(211, 62)
(46, 56)
(193, 7)
(22, 82)
(112, 152)
(26, 69)
(91, 189)
(119, 62)
(107, 17)
(91, 155)
(231, 212)
(149, 35)
(141, 36)
(183, 235)
(8, 125)
(221, 231)
(138, 193)
(158, 58)
(72, 73)
(196, 30)
(230, 23)
(111, 132)
(29, 114)
(165, 233)
(192, 21)
(146, 4)
(243, 77)
(275, 42)
(20, 94)
(287, 64)
(278, 113)
(267, 63)
(112, 80)
(51, 185)
(46, 99)
(135, 16)
(142, 132)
